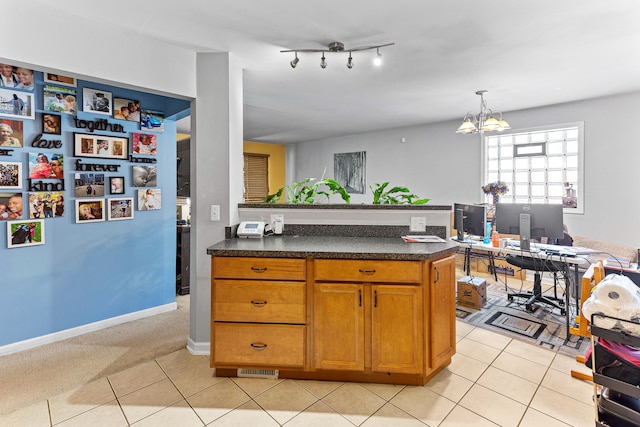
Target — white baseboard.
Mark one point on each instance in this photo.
(198, 348)
(81, 330)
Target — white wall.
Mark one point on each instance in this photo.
(437, 163)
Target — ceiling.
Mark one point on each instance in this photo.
(525, 53)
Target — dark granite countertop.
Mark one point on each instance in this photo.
(384, 248)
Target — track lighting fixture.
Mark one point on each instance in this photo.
(350, 62)
(377, 61)
(295, 61)
(337, 47)
(484, 121)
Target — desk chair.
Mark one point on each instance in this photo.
(538, 266)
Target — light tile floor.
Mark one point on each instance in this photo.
(491, 381)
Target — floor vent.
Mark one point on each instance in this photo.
(271, 374)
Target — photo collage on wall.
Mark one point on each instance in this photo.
(39, 134)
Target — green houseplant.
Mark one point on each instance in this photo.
(394, 196)
(307, 191)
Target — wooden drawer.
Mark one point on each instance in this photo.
(368, 271)
(258, 268)
(259, 345)
(251, 301)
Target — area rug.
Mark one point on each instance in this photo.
(545, 326)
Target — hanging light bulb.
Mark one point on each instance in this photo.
(350, 62)
(323, 62)
(377, 61)
(295, 61)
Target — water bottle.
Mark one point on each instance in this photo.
(487, 234)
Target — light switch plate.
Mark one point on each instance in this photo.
(215, 212)
(418, 223)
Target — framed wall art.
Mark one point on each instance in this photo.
(88, 184)
(97, 101)
(349, 169)
(46, 166)
(21, 234)
(144, 176)
(18, 104)
(60, 79)
(10, 175)
(120, 209)
(11, 133)
(89, 210)
(10, 206)
(126, 109)
(145, 143)
(149, 199)
(46, 204)
(100, 146)
(59, 100)
(152, 121)
(116, 185)
(52, 123)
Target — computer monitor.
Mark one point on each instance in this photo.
(529, 221)
(470, 219)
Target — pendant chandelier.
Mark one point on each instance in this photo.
(337, 47)
(485, 121)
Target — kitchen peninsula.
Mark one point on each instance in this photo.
(367, 309)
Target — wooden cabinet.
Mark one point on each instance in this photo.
(388, 321)
(258, 312)
(351, 317)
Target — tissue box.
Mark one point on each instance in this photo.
(472, 292)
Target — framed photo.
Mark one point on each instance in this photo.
(97, 101)
(120, 209)
(11, 133)
(46, 166)
(89, 210)
(145, 143)
(126, 109)
(48, 204)
(10, 175)
(145, 176)
(60, 79)
(89, 185)
(52, 123)
(21, 234)
(18, 104)
(58, 99)
(116, 184)
(152, 121)
(100, 146)
(149, 199)
(10, 206)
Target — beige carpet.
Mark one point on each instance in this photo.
(34, 375)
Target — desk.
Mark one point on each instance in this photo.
(575, 262)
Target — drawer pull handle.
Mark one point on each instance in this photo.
(366, 271)
(259, 269)
(258, 346)
(259, 303)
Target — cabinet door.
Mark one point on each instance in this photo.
(443, 311)
(338, 326)
(396, 328)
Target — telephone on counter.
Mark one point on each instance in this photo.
(251, 229)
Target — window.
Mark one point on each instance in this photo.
(256, 177)
(543, 165)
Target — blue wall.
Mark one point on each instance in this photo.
(89, 272)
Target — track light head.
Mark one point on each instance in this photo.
(350, 61)
(295, 61)
(377, 61)
(323, 62)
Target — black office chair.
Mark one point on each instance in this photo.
(538, 266)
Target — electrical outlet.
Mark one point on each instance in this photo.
(277, 223)
(215, 212)
(418, 223)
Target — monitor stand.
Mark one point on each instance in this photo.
(525, 232)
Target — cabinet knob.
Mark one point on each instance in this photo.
(259, 303)
(258, 347)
